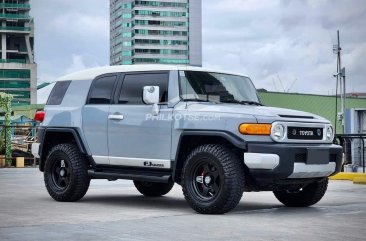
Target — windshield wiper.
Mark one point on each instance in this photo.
(198, 100)
(245, 102)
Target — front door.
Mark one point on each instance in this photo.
(136, 138)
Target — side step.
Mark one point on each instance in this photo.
(129, 176)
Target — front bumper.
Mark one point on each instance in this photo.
(292, 161)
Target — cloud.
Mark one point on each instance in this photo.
(70, 35)
(263, 39)
(290, 39)
(79, 25)
(77, 64)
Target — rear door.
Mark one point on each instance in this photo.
(135, 137)
(95, 116)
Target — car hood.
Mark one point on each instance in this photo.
(259, 112)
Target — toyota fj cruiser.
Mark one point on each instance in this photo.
(205, 130)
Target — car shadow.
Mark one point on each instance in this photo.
(137, 201)
(166, 202)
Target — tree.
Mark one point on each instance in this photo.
(5, 105)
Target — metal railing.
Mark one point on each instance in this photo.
(15, 28)
(22, 138)
(18, 61)
(15, 16)
(14, 5)
(354, 150)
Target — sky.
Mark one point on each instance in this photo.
(283, 45)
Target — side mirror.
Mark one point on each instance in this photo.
(151, 97)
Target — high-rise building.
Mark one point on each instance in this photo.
(18, 71)
(156, 32)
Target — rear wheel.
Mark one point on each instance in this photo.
(66, 173)
(304, 197)
(153, 189)
(213, 179)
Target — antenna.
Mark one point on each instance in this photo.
(284, 90)
(341, 81)
(291, 85)
(274, 84)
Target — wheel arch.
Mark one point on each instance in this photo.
(50, 137)
(191, 139)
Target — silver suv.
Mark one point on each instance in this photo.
(204, 130)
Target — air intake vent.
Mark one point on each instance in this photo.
(297, 116)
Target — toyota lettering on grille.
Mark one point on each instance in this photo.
(304, 133)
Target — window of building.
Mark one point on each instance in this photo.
(127, 35)
(102, 89)
(127, 53)
(127, 62)
(132, 88)
(126, 15)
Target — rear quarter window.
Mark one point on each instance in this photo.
(58, 93)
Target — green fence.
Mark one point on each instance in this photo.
(318, 104)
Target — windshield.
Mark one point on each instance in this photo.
(216, 87)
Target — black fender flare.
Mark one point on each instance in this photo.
(228, 136)
(42, 135)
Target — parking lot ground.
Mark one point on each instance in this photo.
(116, 211)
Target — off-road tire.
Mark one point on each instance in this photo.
(224, 165)
(153, 189)
(78, 179)
(307, 196)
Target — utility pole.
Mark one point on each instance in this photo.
(341, 80)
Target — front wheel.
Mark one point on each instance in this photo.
(304, 197)
(213, 179)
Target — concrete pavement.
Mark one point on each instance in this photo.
(116, 211)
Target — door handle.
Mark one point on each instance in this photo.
(116, 117)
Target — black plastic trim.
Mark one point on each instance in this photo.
(130, 174)
(236, 141)
(42, 134)
(287, 153)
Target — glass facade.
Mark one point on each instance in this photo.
(150, 32)
(17, 67)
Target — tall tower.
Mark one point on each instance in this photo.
(18, 71)
(156, 32)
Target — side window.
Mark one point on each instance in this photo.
(102, 89)
(133, 84)
(58, 92)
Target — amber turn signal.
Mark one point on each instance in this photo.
(255, 129)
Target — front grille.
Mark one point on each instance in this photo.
(304, 133)
(300, 157)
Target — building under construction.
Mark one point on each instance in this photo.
(18, 71)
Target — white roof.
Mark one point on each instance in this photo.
(92, 73)
(42, 94)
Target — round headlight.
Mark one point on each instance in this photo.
(329, 134)
(278, 132)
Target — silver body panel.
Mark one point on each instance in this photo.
(139, 140)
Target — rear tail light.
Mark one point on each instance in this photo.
(39, 116)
